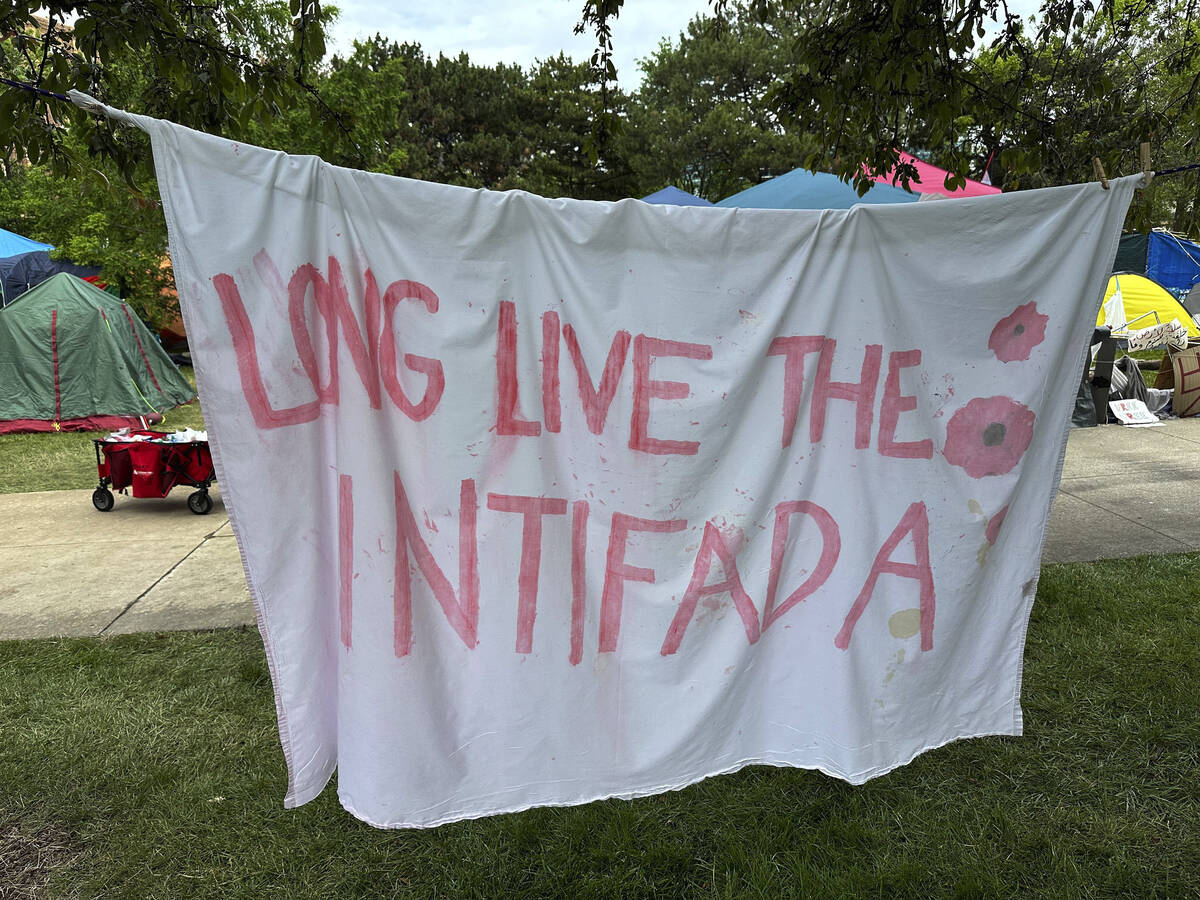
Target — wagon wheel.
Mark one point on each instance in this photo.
(102, 499)
(200, 503)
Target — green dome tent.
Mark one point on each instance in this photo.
(75, 358)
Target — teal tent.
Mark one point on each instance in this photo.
(11, 244)
(802, 189)
(76, 358)
(673, 196)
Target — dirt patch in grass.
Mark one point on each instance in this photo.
(29, 856)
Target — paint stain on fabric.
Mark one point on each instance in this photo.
(735, 537)
(993, 525)
(942, 396)
(905, 624)
(891, 672)
(713, 609)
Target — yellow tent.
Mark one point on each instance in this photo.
(1141, 295)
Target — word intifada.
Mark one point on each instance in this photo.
(461, 609)
(371, 345)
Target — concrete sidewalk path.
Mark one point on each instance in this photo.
(151, 565)
(1127, 492)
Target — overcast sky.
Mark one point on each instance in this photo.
(522, 31)
(514, 31)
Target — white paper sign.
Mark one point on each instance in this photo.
(543, 501)
(1133, 412)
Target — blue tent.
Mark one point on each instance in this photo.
(1173, 262)
(802, 189)
(673, 196)
(12, 244)
(27, 270)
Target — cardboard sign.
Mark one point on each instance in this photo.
(1133, 412)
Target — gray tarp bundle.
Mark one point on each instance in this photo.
(1119, 380)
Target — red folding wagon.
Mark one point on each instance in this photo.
(152, 466)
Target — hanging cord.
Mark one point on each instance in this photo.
(34, 90)
(1182, 248)
(143, 396)
(1177, 169)
(51, 94)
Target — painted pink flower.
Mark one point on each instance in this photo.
(993, 526)
(1015, 336)
(989, 436)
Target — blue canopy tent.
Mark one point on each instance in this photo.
(673, 196)
(802, 189)
(12, 244)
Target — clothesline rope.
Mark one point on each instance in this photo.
(1177, 169)
(51, 94)
(33, 89)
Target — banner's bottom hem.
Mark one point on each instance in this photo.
(649, 791)
(296, 797)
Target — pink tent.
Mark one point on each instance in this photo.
(933, 181)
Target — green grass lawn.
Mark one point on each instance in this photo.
(149, 766)
(59, 461)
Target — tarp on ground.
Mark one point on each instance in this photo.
(26, 270)
(74, 357)
(11, 244)
(1146, 303)
(804, 189)
(933, 180)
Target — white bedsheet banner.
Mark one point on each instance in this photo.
(544, 501)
